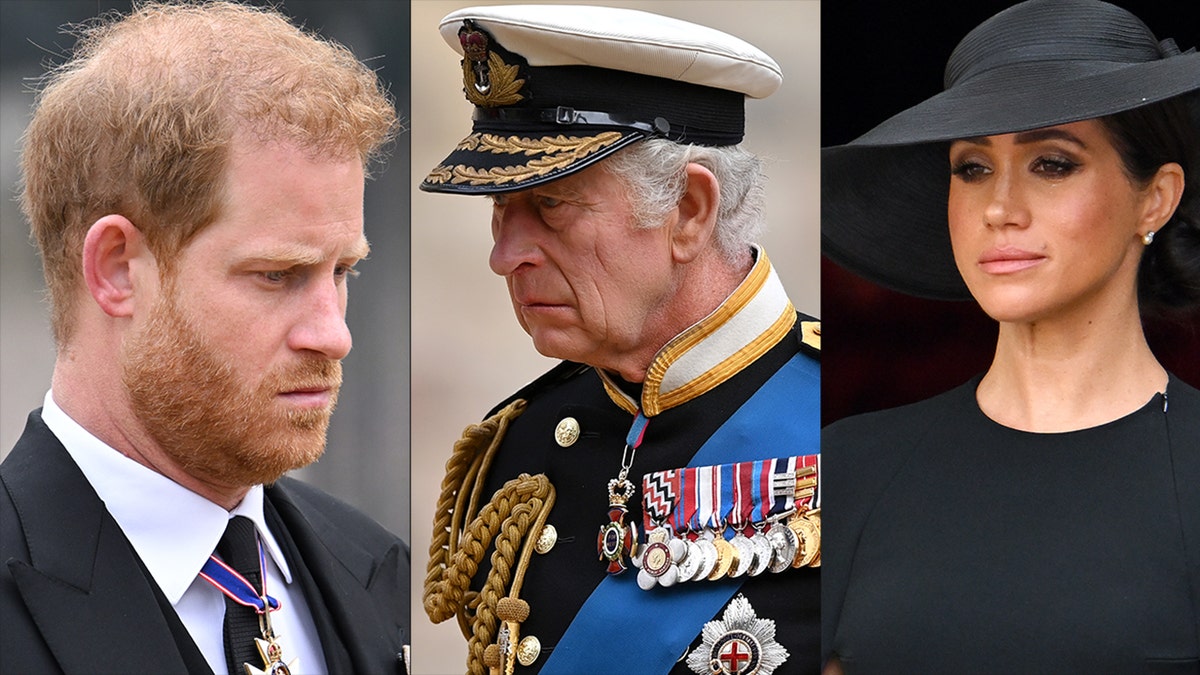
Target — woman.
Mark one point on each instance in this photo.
(1044, 516)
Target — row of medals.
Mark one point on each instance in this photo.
(667, 559)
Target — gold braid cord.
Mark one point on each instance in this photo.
(463, 532)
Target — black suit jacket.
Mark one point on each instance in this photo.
(75, 598)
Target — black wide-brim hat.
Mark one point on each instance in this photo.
(1037, 64)
(558, 88)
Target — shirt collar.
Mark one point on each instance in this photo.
(754, 318)
(172, 529)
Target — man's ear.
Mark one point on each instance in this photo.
(697, 211)
(112, 249)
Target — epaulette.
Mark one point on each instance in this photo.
(809, 335)
(564, 371)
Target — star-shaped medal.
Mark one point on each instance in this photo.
(739, 643)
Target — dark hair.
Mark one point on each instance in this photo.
(1147, 138)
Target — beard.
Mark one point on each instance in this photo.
(214, 426)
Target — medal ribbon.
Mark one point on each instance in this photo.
(737, 519)
(784, 499)
(763, 469)
(679, 519)
(618, 611)
(708, 484)
(660, 494)
(725, 488)
(638, 431)
(745, 489)
(743, 499)
(633, 439)
(694, 517)
(811, 461)
(817, 498)
(237, 587)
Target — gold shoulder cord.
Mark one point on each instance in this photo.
(462, 533)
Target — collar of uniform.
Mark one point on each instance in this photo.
(172, 529)
(754, 318)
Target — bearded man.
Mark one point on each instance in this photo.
(194, 180)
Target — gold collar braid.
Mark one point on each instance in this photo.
(755, 317)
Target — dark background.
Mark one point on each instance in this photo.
(883, 348)
(367, 460)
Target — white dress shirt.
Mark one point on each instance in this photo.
(174, 530)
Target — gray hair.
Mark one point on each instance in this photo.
(653, 174)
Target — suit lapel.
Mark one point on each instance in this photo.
(337, 659)
(83, 584)
(342, 574)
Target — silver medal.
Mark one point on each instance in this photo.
(763, 554)
(708, 558)
(691, 562)
(746, 555)
(784, 542)
(739, 643)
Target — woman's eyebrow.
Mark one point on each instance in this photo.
(1049, 134)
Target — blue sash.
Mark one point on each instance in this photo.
(629, 630)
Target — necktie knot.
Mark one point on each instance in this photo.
(239, 549)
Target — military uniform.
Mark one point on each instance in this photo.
(592, 525)
(572, 430)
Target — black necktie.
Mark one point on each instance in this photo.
(239, 549)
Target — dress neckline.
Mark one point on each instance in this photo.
(1157, 403)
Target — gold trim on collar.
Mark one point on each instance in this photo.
(623, 402)
(700, 336)
(731, 366)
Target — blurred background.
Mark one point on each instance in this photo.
(468, 351)
(367, 461)
(884, 348)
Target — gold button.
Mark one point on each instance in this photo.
(528, 649)
(567, 432)
(546, 539)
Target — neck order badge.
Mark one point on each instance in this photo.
(619, 540)
(242, 592)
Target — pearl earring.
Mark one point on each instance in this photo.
(1148, 238)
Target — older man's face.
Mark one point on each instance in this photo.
(586, 284)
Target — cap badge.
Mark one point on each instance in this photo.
(487, 80)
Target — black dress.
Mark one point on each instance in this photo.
(955, 544)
